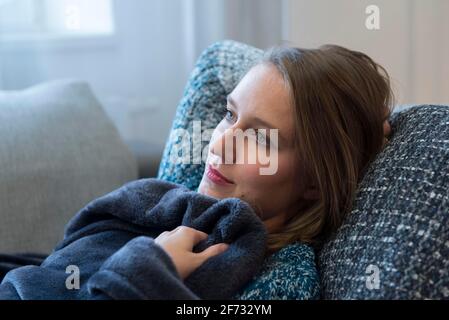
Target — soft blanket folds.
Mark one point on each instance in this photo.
(110, 242)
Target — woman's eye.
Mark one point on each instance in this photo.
(229, 115)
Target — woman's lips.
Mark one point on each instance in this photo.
(216, 177)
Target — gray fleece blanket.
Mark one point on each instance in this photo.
(110, 242)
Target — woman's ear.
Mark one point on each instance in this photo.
(386, 128)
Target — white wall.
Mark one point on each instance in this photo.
(255, 22)
(430, 59)
(412, 43)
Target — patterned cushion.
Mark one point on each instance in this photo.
(288, 274)
(395, 242)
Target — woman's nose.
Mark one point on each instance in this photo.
(223, 147)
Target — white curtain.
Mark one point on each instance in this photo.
(256, 22)
(137, 69)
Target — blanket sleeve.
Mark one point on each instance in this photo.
(139, 270)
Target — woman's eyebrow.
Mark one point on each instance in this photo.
(256, 120)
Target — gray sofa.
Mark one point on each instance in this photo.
(58, 151)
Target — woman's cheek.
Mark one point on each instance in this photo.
(249, 176)
(250, 173)
(285, 169)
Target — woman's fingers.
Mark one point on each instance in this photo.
(214, 250)
(164, 234)
(203, 256)
(192, 236)
(178, 244)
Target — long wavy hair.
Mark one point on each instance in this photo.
(341, 99)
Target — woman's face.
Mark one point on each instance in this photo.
(260, 101)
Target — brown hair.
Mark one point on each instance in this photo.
(341, 99)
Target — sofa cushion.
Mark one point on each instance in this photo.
(58, 151)
(395, 242)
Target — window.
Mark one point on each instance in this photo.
(59, 18)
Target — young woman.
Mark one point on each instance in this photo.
(330, 106)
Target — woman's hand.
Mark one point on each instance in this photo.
(179, 243)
